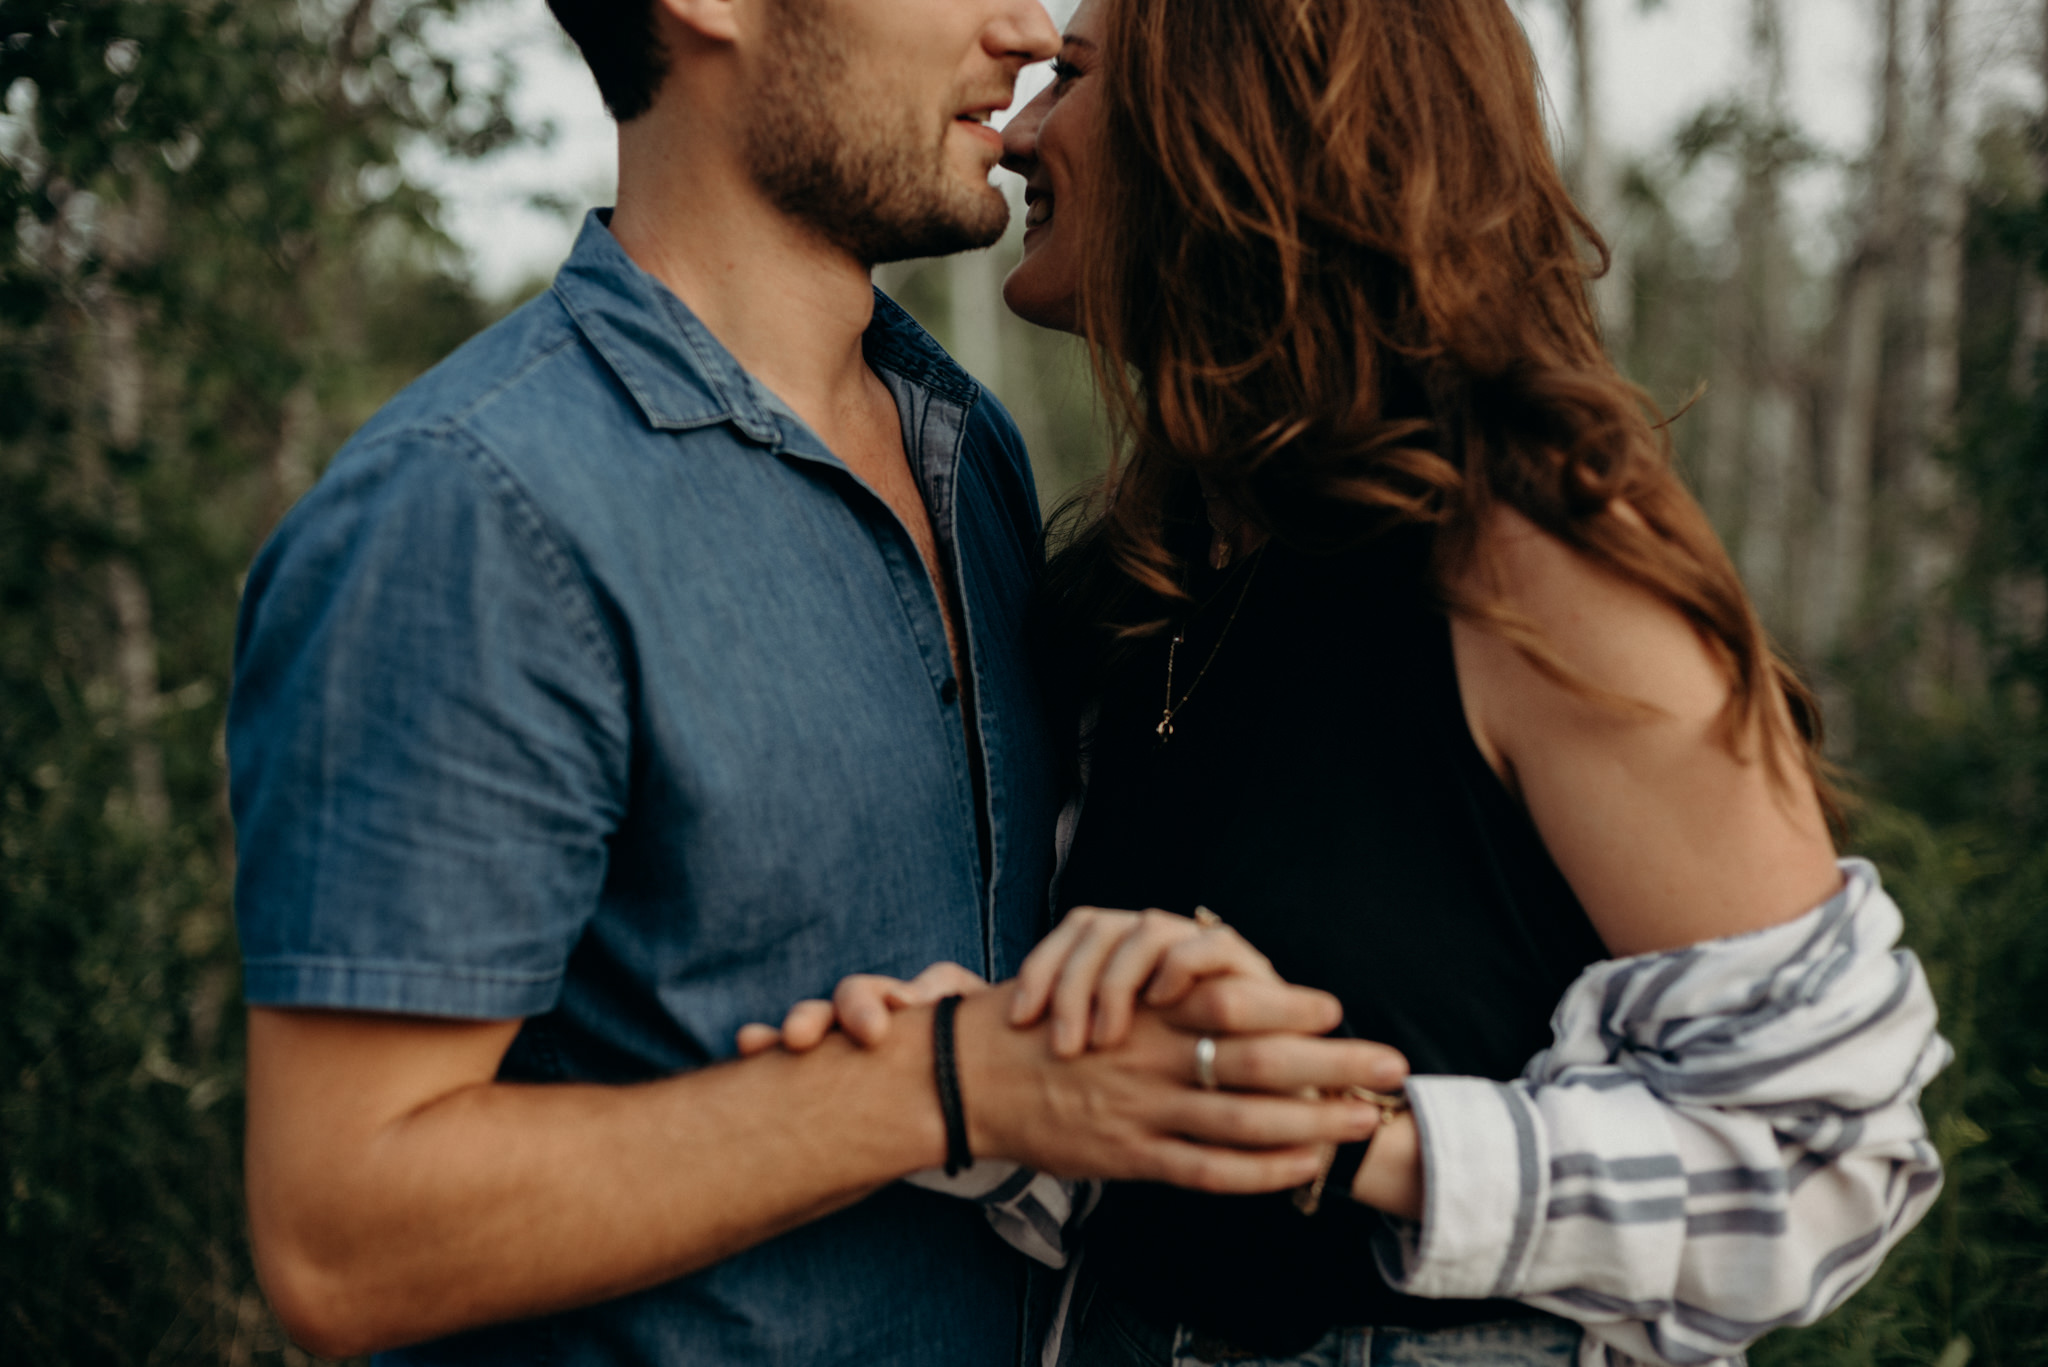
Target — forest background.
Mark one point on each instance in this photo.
(222, 247)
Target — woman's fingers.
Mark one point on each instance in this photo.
(1073, 996)
(942, 979)
(1240, 1004)
(756, 1038)
(863, 1003)
(1158, 935)
(807, 1024)
(1032, 992)
(1214, 952)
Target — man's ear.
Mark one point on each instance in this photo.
(715, 21)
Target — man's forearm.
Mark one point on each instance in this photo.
(494, 1201)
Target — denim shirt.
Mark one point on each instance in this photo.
(588, 687)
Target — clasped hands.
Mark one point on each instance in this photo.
(1084, 1065)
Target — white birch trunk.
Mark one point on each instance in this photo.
(1593, 176)
(2031, 318)
(1774, 436)
(1928, 551)
(1842, 552)
(975, 305)
(125, 242)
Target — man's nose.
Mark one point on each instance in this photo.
(1023, 29)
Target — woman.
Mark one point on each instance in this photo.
(1407, 653)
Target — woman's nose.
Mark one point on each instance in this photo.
(1020, 135)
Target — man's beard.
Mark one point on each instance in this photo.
(865, 178)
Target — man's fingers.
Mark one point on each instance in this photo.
(1041, 970)
(806, 1025)
(1215, 951)
(1129, 967)
(756, 1038)
(1238, 1004)
(1287, 1065)
(1251, 1121)
(1234, 1172)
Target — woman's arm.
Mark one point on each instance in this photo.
(1667, 836)
(1724, 1136)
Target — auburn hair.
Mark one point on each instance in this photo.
(1340, 278)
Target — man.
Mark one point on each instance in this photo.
(654, 663)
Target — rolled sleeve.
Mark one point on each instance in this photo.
(1476, 1230)
(428, 742)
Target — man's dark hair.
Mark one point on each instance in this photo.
(623, 49)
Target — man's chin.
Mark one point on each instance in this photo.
(941, 235)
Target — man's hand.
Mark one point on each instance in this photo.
(1134, 1111)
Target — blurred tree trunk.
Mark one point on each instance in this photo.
(2032, 306)
(1593, 178)
(1771, 363)
(130, 232)
(975, 302)
(1927, 512)
(1842, 552)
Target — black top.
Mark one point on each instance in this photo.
(1322, 793)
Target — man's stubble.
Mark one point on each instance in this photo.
(864, 174)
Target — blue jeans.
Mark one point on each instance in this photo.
(1112, 1334)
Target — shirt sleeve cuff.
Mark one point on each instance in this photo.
(1484, 1175)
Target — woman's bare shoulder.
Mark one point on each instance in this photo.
(1668, 835)
(1612, 634)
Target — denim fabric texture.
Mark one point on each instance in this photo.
(587, 687)
(1115, 1335)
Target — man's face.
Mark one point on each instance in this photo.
(869, 121)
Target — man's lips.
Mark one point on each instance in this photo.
(976, 118)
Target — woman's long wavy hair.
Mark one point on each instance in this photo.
(1341, 279)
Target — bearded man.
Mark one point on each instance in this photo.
(655, 662)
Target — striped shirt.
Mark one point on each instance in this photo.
(1720, 1140)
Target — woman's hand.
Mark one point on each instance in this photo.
(1090, 971)
(861, 1006)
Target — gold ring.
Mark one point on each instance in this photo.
(1205, 1064)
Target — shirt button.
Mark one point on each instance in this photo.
(949, 691)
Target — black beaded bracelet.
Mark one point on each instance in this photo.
(946, 1072)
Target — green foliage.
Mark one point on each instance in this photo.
(1961, 832)
(196, 200)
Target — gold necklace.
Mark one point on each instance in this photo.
(1172, 709)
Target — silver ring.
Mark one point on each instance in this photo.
(1205, 1064)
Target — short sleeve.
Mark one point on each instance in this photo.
(428, 742)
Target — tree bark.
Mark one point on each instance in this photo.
(1843, 551)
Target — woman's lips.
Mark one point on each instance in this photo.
(1038, 212)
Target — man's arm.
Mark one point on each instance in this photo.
(398, 1192)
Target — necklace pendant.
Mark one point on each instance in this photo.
(1164, 730)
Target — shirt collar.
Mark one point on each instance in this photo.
(683, 377)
